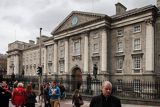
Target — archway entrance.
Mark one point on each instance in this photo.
(76, 78)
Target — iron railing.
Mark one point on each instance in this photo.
(136, 90)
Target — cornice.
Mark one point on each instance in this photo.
(89, 27)
(134, 12)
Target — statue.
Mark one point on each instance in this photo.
(95, 68)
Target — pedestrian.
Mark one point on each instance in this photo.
(46, 95)
(41, 92)
(54, 93)
(15, 84)
(77, 100)
(62, 89)
(30, 96)
(19, 96)
(105, 99)
(5, 95)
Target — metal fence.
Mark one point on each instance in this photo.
(132, 89)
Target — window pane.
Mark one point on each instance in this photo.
(137, 44)
(137, 61)
(137, 28)
(119, 46)
(120, 32)
(119, 64)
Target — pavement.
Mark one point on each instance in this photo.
(67, 103)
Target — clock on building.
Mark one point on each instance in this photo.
(74, 21)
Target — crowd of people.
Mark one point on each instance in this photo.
(23, 95)
(51, 93)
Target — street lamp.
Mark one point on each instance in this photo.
(40, 76)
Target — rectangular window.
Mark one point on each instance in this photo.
(77, 47)
(95, 48)
(119, 46)
(119, 85)
(136, 85)
(120, 32)
(137, 28)
(119, 65)
(61, 67)
(136, 62)
(137, 44)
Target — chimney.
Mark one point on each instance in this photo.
(120, 8)
(158, 4)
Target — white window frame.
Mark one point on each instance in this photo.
(119, 46)
(119, 85)
(119, 64)
(61, 67)
(119, 32)
(136, 85)
(136, 44)
(136, 28)
(137, 64)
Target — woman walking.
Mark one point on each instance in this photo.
(30, 96)
(77, 100)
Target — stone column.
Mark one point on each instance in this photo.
(45, 60)
(85, 69)
(149, 62)
(104, 51)
(16, 64)
(8, 66)
(66, 56)
(55, 58)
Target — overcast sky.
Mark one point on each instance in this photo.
(21, 19)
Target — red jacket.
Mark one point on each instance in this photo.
(18, 96)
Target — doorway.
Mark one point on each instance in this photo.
(76, 78)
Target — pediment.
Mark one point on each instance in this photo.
(77, 18)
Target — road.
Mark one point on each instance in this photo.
(67, 103)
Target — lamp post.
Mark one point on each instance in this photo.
(40, 46)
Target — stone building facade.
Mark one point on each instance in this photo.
(125, 46)
(3, 64)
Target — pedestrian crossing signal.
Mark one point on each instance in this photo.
(39, 71)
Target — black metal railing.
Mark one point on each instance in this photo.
(135, 90)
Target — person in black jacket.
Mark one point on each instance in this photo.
(46, 95)
(5, 95)
(30, 96)
(105, 99)
(77, 100)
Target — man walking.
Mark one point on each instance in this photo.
(105, 99)
(54, 93)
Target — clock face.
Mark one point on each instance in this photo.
(74, 21)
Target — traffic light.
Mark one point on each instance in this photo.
(39, 71)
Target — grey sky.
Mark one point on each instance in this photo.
(21, 19)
